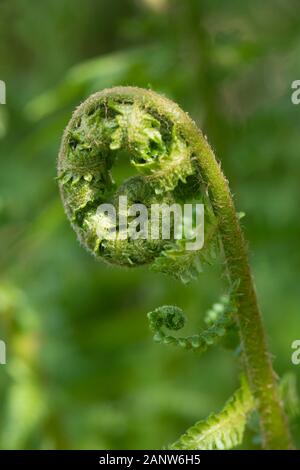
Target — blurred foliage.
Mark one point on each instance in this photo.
(82, 371)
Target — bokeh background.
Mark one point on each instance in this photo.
(82, 371)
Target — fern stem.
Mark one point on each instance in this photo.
(257, 360)
(256, 356)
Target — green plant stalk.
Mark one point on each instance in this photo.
(79, 195)
(261, 376)
(257, 360)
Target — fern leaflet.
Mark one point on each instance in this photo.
(221, 431)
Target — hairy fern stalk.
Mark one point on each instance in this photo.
(171, 161)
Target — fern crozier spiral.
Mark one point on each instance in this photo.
(158, 142)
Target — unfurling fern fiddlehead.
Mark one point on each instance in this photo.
(171, 163)
(219, 321)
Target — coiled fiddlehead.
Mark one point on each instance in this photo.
(171, 162)
(219, 321)
(126, 124)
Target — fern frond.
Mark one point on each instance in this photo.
(221, 431)
(219, 320)
(172, 163)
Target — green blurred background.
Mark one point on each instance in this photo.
(82, 371)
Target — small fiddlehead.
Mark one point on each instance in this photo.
(171, 162)
(219, 320)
